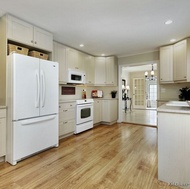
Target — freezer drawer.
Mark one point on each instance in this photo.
(31, 136)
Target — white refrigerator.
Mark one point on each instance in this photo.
(32, 102)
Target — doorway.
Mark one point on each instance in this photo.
(143, 92)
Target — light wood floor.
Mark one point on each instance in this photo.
(121, 156)
(145, 117)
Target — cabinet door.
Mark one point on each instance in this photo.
(109, 110)
(180, 61)
(19, 31)
(166, 64)
(72, 58)
(97, 111)
(89, 70)
(105, 111)
(100, 71)
(66, 127)
(43, 39)
(59, 55)
(111, 71)
(81, 60)
(2, 136)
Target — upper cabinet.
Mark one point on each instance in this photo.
(100, 71)
(182, 60)
(166, 64)
(175, 62)
(25, 33)
(89, 69)
(111, 71)
(106, 71)
(59, 55)
(75, 59)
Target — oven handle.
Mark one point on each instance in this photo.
(85, 105)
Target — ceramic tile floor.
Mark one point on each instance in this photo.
(144, 117)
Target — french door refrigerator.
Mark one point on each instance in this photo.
(32, 101)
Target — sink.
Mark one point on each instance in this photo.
(178, 103)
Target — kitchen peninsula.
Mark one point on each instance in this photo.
(173, 143)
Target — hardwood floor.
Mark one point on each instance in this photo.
(144, 117)
(121, 156)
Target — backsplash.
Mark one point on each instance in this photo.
(171, 91)
(79, 88)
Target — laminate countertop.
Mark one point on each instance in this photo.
(182, 108)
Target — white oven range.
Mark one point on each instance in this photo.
(84, 115)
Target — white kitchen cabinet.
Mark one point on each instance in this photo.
(182, 60)
(59, 55)
(89, 65)
(173, 146)
(166, 64)
(100, 71)
(25, 33)
(2, 132)
(81, 60)
(74, 59)
(97, 111)
(105, 71)
(66, 118)
(109, 111)
(111, 71)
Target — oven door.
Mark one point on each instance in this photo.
(84, 113)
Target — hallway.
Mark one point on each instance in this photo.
(143, 117)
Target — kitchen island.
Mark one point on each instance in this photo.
(174, 144)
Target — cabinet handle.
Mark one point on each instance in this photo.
(65, 122)
(32, 41)
(35, 42)
(184, 76)
(161, 79)
(65, 110)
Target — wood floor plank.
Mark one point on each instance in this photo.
(114, 157)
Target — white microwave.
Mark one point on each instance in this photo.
(76, 76)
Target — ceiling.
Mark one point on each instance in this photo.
(110, 27)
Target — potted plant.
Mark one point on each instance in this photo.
(113, 94)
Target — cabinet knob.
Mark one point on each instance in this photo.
(184, 76)
(65, 110)
(35, 42)
(32, 41)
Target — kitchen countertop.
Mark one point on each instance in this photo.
(174, 109)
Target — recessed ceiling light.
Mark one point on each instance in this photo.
(103, 54)
(168, 22)
(172, 40)
(81, 45)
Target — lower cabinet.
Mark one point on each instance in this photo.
(109, 111)
(105, 111)
(66, 118)
(97, 111)
(2, 132)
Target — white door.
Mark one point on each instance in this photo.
(139, 93)
(49, 87)
(25, 86)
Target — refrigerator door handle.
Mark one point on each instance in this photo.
(37, 100)
(41, 119)
(43, 89)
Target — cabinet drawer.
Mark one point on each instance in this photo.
(66, 127)
(2, 113)
(65, 106)
(68, 114)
